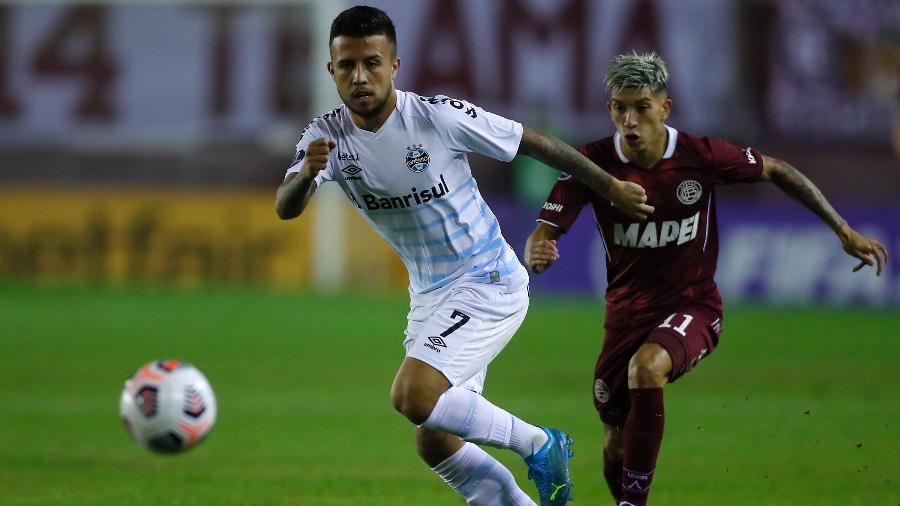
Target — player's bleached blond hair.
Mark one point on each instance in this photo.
(633, 70)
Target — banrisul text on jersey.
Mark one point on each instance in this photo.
(414, 198)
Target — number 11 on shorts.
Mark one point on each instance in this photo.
(681, 329)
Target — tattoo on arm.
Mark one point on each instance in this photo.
(565, 158)
(794, 183)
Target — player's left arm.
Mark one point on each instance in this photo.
(792, 182)
(627, 196)
(541, 250)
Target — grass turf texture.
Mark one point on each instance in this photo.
(795, 407)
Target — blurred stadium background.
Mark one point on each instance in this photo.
(141, 144)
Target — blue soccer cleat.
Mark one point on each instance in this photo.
(549, 468)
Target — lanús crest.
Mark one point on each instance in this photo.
(417, 159)
(689, 192)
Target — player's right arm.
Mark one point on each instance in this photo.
(540, 248)
(297, 188)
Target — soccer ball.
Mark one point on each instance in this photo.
(168, 406)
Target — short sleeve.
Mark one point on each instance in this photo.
(564, 203)
(733, 164)
(309, 134)
(466, 128)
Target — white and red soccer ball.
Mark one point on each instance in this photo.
(168, 406)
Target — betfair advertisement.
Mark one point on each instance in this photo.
(180, 237)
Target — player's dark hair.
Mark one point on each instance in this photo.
(363, 21)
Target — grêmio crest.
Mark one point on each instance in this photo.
(417, 159)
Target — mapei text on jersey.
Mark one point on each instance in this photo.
(415, 198)
(651, 237)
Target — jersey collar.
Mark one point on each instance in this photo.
(670, 148)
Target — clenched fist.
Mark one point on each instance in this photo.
(316, 157)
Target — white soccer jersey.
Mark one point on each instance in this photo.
(411, 180)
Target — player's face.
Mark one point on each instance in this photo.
(640, 116)
(363, 69)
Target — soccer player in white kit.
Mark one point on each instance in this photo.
(401, 159)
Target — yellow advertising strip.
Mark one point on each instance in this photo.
(187, 237)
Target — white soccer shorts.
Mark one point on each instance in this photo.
(460, 328)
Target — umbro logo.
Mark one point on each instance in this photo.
(436, 343)
(352, 173)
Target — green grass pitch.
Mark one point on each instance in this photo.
(795, 407)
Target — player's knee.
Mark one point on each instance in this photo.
(649, 367)
(412, 402)
(643, 375)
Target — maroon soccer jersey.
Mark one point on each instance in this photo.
(670, 259)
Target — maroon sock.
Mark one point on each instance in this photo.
(642, 437)
(612, 471)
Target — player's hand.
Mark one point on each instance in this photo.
(541, 255)
(868, 250)
(316, 159)
(631, 199)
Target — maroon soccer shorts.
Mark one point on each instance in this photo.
(688, 334)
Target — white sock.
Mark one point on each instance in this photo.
(480, 479)
(473, 418)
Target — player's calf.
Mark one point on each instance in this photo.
(435, 447)
(642, 438)
(613, 455)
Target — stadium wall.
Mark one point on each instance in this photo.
(195, 238)
(137, 110)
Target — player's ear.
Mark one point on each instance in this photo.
(666, 108)
(331, 69)
(395, 66)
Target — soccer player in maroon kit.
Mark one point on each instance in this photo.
(663, 309)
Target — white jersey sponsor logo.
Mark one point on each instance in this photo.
(653, 236)
(551, 206)
(750, 158)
